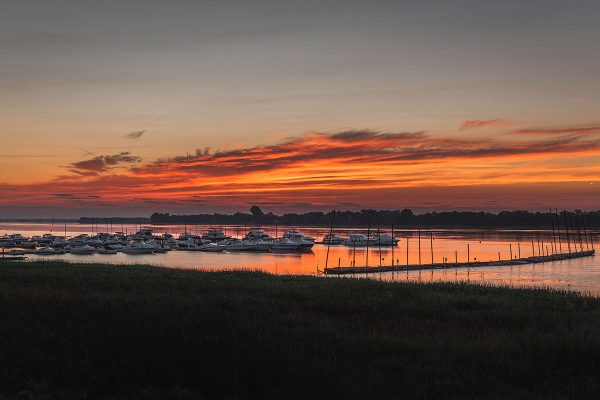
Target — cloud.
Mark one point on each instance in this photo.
(565, 131)
(135, 135)
(318, 170)
(349, 148)
(482, 123)
(99, 164)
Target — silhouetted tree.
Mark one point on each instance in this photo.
(255, 210)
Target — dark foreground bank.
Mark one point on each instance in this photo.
(95, 331)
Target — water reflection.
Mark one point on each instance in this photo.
(581, 274)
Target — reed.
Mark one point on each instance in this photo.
(142, 332)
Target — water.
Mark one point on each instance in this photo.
(582, 274)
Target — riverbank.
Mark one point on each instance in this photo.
(107, 331)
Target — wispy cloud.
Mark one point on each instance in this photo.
(351, 167)
(565, 131)
(482, 123)
(135, 135)
(102, 163)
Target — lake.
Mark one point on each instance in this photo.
(582, 274)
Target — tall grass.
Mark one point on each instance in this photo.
(97, 331)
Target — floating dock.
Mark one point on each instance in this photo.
(12, 258)
(474, 264)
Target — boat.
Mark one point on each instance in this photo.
(258, 234)
(293, 234)
(285, 244)
(86, 249)
(333, 239)
(259, 244)
(358, 239)
(215, 235)
(143, 234)
(138, 247)
(106, 251)
(238, 245)
(212, 247)
(384, 240)
(46, 251)
(189, 244)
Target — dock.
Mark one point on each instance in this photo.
(13, 258)
(474, 264)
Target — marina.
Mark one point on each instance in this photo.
(474, 255)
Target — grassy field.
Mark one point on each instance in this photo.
(120, 332)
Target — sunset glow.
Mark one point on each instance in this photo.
(198, 115)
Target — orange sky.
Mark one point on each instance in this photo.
(501, 166)
(124, 108)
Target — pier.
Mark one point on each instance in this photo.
(474, 264)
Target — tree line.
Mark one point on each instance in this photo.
(405, 217)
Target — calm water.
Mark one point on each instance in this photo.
(581, 274)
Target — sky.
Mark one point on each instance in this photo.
(130, 107)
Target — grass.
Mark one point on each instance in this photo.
(119, 332)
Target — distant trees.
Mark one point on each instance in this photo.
(398, 218)
(255, 210)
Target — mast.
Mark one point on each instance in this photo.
(328, 242)
(419, 238)
(368, 233)
(393, 245)
(553, 234)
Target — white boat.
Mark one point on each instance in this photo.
(60, 241)
(258, 234)
(107, 251)
(358, 239)
(159, 247)
(143, 234)
(333, 239)
(259, 244)
(138, 247)
(15, 252)
(285, 244)
(384, 240)
(46, 251)
(215, 235)
(28, 245)
(212, 247)
(293, 234)
(238, 245)
(85, 249)
(189, 244)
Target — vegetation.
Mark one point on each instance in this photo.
(118, 332)
(387, 218)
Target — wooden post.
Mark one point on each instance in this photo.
(468, 253)
(419, 236)
(431, 245)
